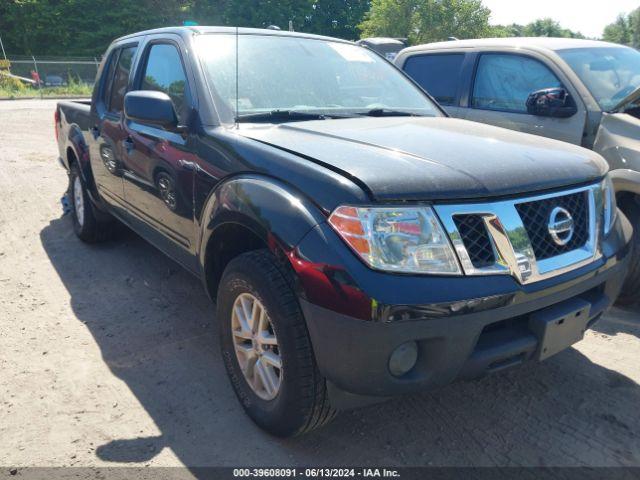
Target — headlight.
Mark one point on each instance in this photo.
(610, 206)
(398, 239)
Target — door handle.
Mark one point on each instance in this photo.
(95, 131)
(187, 165)
(128, 144)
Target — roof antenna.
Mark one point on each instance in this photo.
(237, 100)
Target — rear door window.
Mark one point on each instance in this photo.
(504, 81)
(121, 79)
(438, 74)
(105, 95)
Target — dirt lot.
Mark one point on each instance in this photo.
(109, 356)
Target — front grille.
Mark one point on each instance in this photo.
(475, 237)
(535, 218)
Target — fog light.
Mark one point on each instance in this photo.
(403, 358)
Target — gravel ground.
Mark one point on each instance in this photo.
(109, 356)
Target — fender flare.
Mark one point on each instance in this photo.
(79, 147)
(277, 213)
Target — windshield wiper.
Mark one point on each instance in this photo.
(285, 116)
(387, 112)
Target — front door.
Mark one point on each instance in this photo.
(158, 164)
(502, 83)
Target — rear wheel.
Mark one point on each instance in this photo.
(631, 289)
(266, 347)
(86, 225)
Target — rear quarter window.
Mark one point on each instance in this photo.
(438, 74)
(105, 93)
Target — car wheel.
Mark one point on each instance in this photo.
(85, 222)
(631, 287)
(266, 347)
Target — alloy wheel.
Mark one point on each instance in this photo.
(256, 346)
(78, 200)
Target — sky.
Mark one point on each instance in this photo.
(588, 16)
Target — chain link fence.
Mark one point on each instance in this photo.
(52, 77)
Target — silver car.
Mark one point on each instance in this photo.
(583, 92)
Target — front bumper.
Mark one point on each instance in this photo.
(465, 327)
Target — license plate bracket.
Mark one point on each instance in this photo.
(559, 326)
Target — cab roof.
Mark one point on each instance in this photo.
(201, 30)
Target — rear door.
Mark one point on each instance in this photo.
(107, 131)
(502, 81)
(159, 164)
(441, 75)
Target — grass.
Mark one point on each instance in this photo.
(73, 89)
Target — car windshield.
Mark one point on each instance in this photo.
(278, 73)
(610, 73)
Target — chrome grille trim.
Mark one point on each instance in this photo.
(512, 247)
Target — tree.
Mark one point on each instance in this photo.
(547, 27)
(634, 27)
(426, 20)
(337, 18)
(544, 27)
(389, 18)
(625, 30)
(440, 19)
(79, 27)
(500, 31)
(618, 31)
(263, 13)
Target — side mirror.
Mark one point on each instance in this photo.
(150, 108)
(551, 102)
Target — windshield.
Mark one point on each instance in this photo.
(609, 73)
(277, 73)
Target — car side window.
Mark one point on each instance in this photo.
(438, 74)
(503, 81)
(121, 79)
(164, 72)
(105, 95)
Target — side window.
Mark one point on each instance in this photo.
(503, 82)
(438, 74)
(164, 72)
(121, 79)
(108, 77)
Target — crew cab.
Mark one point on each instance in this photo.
(358, 243)
(584, 92)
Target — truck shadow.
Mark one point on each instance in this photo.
(625, 320)
(155, 328)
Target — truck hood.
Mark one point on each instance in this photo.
(424, 158)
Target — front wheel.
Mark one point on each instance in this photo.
(266, 347)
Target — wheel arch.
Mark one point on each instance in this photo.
(627, 186)
(250, 212)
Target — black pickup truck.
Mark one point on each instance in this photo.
(358, 243)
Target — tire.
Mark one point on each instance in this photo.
(86, 225)
(631, 287)
(301, 403)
